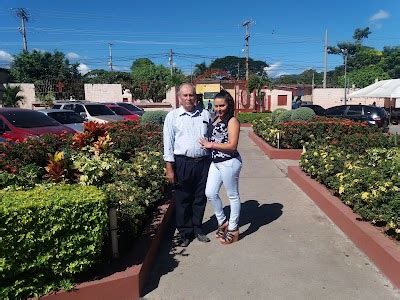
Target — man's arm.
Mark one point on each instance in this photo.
(169, 139)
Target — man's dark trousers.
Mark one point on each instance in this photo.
(191, 178)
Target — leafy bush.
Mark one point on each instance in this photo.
(244, 117)
(48, 234)
(303, 114)
(276, 113)
(153, 117)
(285, 116)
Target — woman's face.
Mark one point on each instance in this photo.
(220, 107)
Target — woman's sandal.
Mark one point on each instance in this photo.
(221, 230)
(230, 237)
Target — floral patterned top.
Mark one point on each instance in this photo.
(218, 133)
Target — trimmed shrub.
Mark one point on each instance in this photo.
(47, 235)
(303, 114)
(285, 116)
(276, 113)
(153, 117)
(251, 117)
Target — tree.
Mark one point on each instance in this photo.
(360, 34)
(11, 97)
(256, 83)
(199, 69)
(391, 61)
(230, 64)
(303, 78)
(151, 81)
(103, 76)
(38, 65)
(365, 76)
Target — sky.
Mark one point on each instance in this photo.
(287, 35)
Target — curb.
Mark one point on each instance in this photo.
(245, 125)
(274, 153)
(381, 250)
(129, 283)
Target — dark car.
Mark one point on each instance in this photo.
(394, 114)
(131, 107)
(371, 114)
(319, 110)
(18, 124)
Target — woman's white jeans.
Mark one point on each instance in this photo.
(227, 173)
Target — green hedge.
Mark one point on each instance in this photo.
(285, 116)
(47, 235)
(303, 114)
(153, 117)
(250, 117)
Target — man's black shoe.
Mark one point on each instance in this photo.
(183, 242)
(202, 238)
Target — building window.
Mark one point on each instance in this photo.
(282, 100)
(209, 95)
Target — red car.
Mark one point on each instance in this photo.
(18, 124)
(123, 112)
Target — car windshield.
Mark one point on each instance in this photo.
(29, 119)
(99, 110)
(67, 117)
(129, 106)
(120, 111)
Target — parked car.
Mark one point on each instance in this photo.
(122, 111)
(19, 123)
(371, 114)
(68, 118)
(394, 114)
(131, 107)
(90, 111)
(319, 110)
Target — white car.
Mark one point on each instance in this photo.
(90, 111)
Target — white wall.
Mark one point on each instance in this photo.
(335, 96)
(274, 98)
(103, 92)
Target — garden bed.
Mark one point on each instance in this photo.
(274, 153)
(125, 277)
(383, 252)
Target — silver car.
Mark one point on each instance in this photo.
(68, 118)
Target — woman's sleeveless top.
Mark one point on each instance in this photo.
(218, 133)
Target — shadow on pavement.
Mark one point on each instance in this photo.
(165, 261)
(251, 213)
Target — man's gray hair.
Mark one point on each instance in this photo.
(186, 84)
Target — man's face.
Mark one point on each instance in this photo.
(187, 97)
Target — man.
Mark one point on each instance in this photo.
(187, 163)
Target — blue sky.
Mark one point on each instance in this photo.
(288, 35)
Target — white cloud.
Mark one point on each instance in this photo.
(380, 15)
(83, 69)
(5, 56)
(273, 69)
(72, 55)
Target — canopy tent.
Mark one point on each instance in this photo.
(382, 89)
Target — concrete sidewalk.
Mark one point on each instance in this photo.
(288, 249)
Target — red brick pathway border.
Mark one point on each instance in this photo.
(381, 250)
(274, 153)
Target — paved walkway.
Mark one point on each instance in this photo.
(289, 249)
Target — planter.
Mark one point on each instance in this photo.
(126, 277)
(381, 250)
(245, 125)
(274, 153)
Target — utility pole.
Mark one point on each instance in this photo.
(312, 87)
(171, 61)
(238, 72)
(110, 63)
(325, 57)
(23, 14)
(247, 24)
(345, 53)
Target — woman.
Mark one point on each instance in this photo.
(223, 137)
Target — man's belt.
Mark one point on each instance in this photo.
(194, 159)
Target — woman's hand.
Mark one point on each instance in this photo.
(205, 143)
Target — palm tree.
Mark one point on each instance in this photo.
(11, 97)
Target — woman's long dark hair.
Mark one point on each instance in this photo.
(230, 112)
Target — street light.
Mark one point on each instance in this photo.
(345, 53)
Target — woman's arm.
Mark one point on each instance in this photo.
(233, 138)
